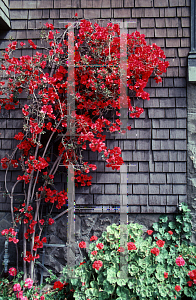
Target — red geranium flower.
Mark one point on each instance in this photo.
(160, 243)
(165, 274)
(149, 232)
(82, 244)
(177, 288)
(180, 261)
(131, 246)
(155, 251)
(58, 285)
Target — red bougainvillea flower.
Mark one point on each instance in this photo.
(160, 243)
(94, 252)
(155, 251)
(170, 232)
(12, 271)
(50, 221)
(100, 246)
(149, 232)
(93, 238)
(165, 274)
(82, 244)
(177, 288)
(97, 265)
(180, 261)
(58, 285)
(42, 221)
(131, 246)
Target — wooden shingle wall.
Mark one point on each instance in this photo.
(156, 146)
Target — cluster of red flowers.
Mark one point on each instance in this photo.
(10, 234)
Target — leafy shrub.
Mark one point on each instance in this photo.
(159, 266)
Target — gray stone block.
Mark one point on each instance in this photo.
(165, 189)
(157, 178)
(154, 189)
(160, 155)
(180, 145)
(179, 189)
(143, 144)
(160, 133)
(176, 178)
(180, 167)
(177, 133)
(156, 113)
(158, 166)
(153, 209)
(157, 200)
(140, 189)
(110, 188)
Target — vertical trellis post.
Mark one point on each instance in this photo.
(71, 133)
(123, 168)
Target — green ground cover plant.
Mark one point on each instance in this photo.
(161, 264)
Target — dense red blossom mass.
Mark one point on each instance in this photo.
(50, 118)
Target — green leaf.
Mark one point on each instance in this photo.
(111, 275)
(109, 288)
(123, 293)
(103, 295)
(163, 290)
(92, 292)
(94, 284)
(172, 225)
(163, 219)
(155, 226)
